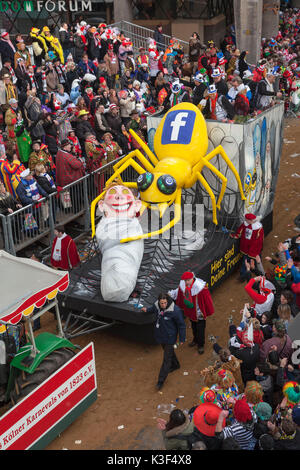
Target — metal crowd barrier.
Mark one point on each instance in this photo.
(139, 35)
(29, 224)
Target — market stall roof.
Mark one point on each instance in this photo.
(26, 284)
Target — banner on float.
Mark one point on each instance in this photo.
(50, 408)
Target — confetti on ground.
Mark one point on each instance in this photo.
(295, 175)
(121, 427)
(185, 373)
(78, 442)
(294, 155)
(139, 409)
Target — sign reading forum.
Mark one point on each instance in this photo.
(49, 5)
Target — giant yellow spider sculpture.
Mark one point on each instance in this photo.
(180, 145)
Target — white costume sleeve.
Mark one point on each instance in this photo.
(173, 293)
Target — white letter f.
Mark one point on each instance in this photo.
(177, 124)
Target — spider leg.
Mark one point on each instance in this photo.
(145, 147)
(220, 150)
(135, 153)
(211, 194)
(93, 209)
(224, 182)
(129, 162)
(174, 221)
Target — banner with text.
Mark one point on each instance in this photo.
(52, 406)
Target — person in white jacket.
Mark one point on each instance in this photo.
(127, 104)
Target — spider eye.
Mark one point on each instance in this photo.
(144, 181)
(166, 184)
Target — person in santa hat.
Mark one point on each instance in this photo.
(194, 298)
(251, 236)
(7, 49)
(125, 47)
(287, 82)
(263, 298)
(260, 71)
(155, 62)
(64, 254)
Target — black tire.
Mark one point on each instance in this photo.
(25, 383)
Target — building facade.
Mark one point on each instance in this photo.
(18, 17)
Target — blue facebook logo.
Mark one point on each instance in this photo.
(178, 127)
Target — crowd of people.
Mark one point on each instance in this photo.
(69, 100)
(250, 399)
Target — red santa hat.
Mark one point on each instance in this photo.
(187, 275)
(250, 218)
(4, 34)
(242, 411)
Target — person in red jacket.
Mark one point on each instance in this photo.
(251, 236)
(194, 298)
(68, 167)
(64, 254)
(264, 298)
(68, 170)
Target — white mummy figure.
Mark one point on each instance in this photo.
(120, 261)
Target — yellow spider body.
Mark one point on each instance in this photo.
(180, 146)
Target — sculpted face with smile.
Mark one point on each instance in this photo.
(119, 201)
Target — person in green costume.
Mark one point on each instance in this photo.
(23, 141)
